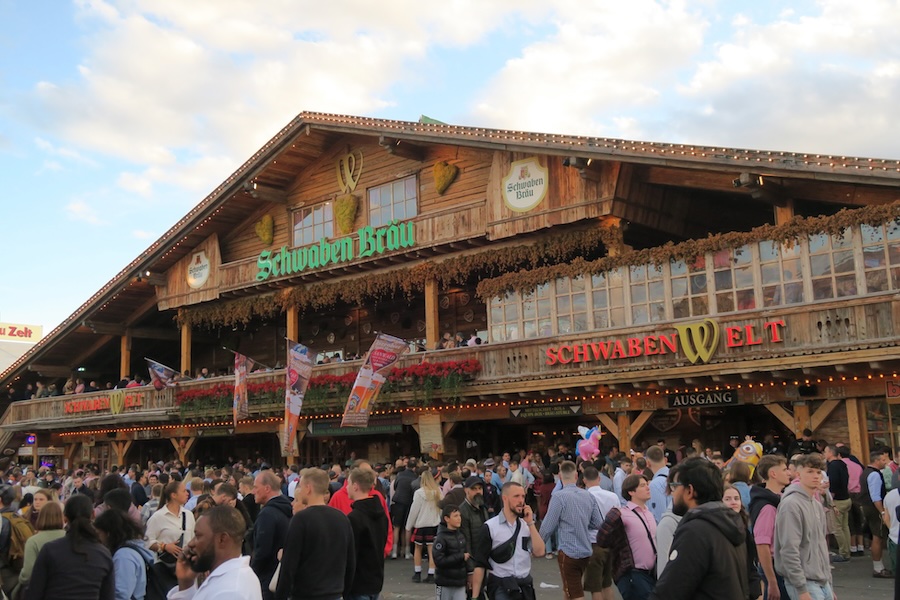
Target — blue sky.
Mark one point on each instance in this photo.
(117, 116)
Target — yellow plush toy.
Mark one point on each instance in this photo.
(748, 452)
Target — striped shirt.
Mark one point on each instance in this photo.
(572, 512)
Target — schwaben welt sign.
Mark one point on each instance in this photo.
(698, 342)
(368, 242)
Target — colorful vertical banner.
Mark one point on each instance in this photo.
(160, 375)
(298, 373)
(242, 366)
(386, 350)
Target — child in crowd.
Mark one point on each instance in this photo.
(450, 556)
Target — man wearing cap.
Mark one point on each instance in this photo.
(474, 514)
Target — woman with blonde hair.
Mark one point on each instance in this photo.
(424, 518)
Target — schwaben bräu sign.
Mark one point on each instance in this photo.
(368, 242)
(697, 342)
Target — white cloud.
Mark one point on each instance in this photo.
(63, 152)
(140, 234)
(601, 59)
(80, 210)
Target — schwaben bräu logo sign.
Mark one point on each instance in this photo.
(369, 242)
(698, 342)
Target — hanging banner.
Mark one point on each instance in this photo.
(298, 373)
(242, 366)
(160, 375)
(386, 350)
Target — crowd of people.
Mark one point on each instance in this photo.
(655, 523)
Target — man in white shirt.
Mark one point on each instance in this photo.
(622, 471)
(606, 501)
(891, 502)
(216, 548)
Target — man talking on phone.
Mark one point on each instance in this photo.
(505, 547)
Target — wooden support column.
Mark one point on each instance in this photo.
(125, 356)
(69, 453)
(801, 417)
(293, 323)
(121, 449)
(855, 425)
(183, 446)
(638, 426)
(785, 213)
(186, 347)
(825, 409)
(611, 426)
(624, 427)
(432, 320)
(782, 414)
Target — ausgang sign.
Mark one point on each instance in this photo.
(369, 242)
(701, 399)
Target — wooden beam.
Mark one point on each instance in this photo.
(785, 213)
(403, 149)
(624, 428)
(266, 193)
(640, 423)
(183, 446)
(611, 426)
(51, 370)
(186, 347)
(782, 414)
(825, 409)
(432, 318)
(801, 417)
(125, 356)
(856, 432)
(448, 427)
(293, 323)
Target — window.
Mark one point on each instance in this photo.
(689, 288)
(832, 265)
(782, 273)
(394, 201)
(608, 295)
(536, 318)
(733, 280)
(571, 305)
(505, 318)
(881, 256)
(879, 424)
(648, 294)
(312, 224)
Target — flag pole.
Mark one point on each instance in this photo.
(159, 363)
(250, 357)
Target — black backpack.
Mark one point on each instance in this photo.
(160, 577)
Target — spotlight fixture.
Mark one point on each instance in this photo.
(582, 164)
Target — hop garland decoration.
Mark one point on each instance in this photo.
(345, 208)
(265, 229)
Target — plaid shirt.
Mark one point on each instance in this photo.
(572, 512)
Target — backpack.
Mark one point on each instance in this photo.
(159, 577)
(20, 530)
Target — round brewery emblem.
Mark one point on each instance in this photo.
(525, 186)
(198, 270)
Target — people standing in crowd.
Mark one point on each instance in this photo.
(371, 530)
(573, 512)
(805, 445)
(801, 550)
(629, 534)
(731, 498)
(422, 522)
(41, 498)
(671, 458)
(855, 518)
(245, 487)
(623, 470)
(216, 549)
(170, 528)
(708, 558)
(319, 558)
(892, 521)
(740, 476)
(152, 505)
(49, 528)
(401, 501)
(872, 493)
(14, 533)
(838, 484)
(473, 515)
(505, 547)
(764, 500)
(270, 528)
(665, 529)
(597, 578)
(451, 559)
(77, 566)
(123, 538)
(342, 501)
(659, 500)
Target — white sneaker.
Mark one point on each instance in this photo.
(408, 556)
(393, 555)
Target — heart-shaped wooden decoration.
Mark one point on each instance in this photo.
(444, 174)
(666, 420)
(265, 229)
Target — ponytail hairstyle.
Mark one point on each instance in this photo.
(78, 512)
